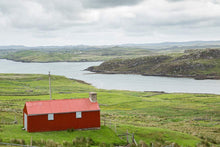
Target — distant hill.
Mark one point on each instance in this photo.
(12, 47)
(72, 55)
(84, 53)
(199, 64)
(155, 46)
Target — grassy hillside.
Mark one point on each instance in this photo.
(199, 64)
(105, 135)
(74, 55)
(187, 119)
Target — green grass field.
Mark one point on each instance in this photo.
(104, 134)
(186, 119)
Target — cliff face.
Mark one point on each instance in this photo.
(200, 64)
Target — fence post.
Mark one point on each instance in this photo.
(31, 142)
(127, 136)
(132, 137)
(115, 128)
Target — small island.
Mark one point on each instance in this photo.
(198, 64)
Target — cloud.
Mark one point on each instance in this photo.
(44, 15)
(108, 21)
(175, 0)
(109, 3)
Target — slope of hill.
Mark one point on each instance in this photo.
(199, 64)
(186, 119)
(72, 55)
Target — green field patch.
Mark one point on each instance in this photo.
(195, 114)
(103, 135)
(151, 134)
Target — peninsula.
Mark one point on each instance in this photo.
(198, 64)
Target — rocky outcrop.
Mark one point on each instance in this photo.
(199, 64)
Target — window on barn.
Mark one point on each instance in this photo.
(78, 114)
(50, 116)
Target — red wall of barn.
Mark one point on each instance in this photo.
(39, 123)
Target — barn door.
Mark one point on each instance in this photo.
(25, 122)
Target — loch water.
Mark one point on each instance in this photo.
(75, 70)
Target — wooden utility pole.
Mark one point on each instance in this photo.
(50, 87)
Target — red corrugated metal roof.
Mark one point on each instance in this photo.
(61, 106)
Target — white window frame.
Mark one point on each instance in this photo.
(79, 114)
(51, 116)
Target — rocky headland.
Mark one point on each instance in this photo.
(198, 64)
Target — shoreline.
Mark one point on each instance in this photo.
(154, 91)
(83, 82)
(22, 61)
(199, 77)
(124, 82)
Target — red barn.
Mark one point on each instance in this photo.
(54, 115)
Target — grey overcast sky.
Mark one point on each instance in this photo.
(99, 22)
